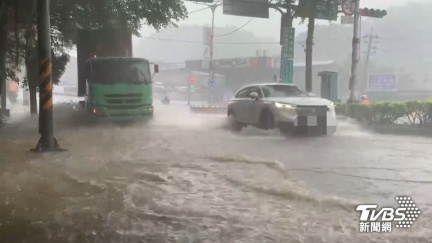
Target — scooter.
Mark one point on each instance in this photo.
(166, 101)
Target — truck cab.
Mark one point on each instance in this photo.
(119, 88)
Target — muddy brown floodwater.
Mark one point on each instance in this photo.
(162, 181)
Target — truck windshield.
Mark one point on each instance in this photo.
(282, 91)
(111, 72)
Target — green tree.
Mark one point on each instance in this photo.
(131, 14)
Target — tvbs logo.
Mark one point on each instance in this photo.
(374, 220)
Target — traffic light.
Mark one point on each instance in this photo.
(192, 79)
(373, 13)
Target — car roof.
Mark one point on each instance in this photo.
(265, 84)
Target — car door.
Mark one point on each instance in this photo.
(249, 103)
(239, 104)
(254, 107)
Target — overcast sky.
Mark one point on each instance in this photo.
(262, 27)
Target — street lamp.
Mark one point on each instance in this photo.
(211, 71)
(211, 66)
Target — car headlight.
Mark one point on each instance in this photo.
(281, 105)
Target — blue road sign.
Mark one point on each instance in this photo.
(211, 83)
(382, 82)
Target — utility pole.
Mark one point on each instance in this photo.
(355, 51)
(3, 51)
(26, 97)
(286, 38)
(211, 62)
(47, 141)
(189, 89)
(3, 93)
(368, 53)
(211, 68)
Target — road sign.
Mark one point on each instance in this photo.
(211, 83)
(288, 42)
(347, 7)
(286, 68)
(382, 82)
(325, 9)
(247, 8)
(347, 20)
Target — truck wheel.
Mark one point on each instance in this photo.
(233, 124)
(82, 104)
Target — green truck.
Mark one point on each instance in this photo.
(116, 86)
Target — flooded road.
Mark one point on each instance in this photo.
(186, 178)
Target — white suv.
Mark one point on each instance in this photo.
(282, 106)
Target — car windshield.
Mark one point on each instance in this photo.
(113, 71)
(282, 91)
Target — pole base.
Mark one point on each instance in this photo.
(41, 149)
(4, 112)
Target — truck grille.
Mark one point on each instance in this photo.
(123, 99)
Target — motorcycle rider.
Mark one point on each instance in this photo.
(364, 100)
(166, 100)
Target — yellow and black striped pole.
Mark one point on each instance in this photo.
(47, 140)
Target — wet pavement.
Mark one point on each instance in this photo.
(183, 177)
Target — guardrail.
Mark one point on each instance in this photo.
(209, 109)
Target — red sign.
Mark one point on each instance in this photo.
(13, 86)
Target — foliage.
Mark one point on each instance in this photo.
(68, 16)
(59, 61)
(417, 112)
(132, 14)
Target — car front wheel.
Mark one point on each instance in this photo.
(234, 125)
(287, 128)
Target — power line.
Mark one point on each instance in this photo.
(198, 10)
(223, 43)
(235, 29)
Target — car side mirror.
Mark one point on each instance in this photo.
(156, 68)
(254, 95)
(311, 94)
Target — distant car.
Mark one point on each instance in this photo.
(282, 106)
